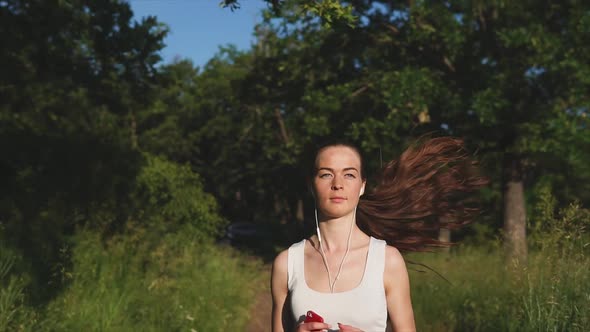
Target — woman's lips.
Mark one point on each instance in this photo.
(337, 199)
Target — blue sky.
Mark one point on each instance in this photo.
(199, 27)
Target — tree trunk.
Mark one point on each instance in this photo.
(514, 210)
(282, 127)
(279, 209)
(299, 215)
(444, 235)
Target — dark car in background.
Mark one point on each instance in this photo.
(247, 234)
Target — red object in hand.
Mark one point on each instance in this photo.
(313, 317)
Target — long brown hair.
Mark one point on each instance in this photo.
(432, 185)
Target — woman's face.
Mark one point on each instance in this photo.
(337, 182)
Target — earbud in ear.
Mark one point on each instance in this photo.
(362, 191)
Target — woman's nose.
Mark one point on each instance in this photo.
(336, 184)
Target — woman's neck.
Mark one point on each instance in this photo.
(335, 232)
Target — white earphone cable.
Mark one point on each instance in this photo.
(325, 258)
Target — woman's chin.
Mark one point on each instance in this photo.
(337, 213)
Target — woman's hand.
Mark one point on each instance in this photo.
(348, 328)
(312, 326)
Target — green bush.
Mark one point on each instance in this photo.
(138, 282)
(169, 195)
(151, 266)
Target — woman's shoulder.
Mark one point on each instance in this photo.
(391, 252)
(279, 274)
(281, 260)
(394, 261)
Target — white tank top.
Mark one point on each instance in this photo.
(364, 307)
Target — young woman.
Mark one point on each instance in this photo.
(351, 271)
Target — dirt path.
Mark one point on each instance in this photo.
(261, 310)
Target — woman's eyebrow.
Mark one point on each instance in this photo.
(332, 170)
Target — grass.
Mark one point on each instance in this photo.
(550, 293)
(136, 283)
(15, 315)
(141, 282)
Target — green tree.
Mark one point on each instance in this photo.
(329, 11)
(198, 119)
(510, 78)
(74, 75)
(520, 74)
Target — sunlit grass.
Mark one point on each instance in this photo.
(550, 293)
(135, 284)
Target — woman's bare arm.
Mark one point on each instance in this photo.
(397, 291)
(279, 289)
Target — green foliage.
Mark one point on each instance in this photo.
(330, 11)
(144, 281)
(15, 315)
(75, 74)
(511, 78)
(171, 195)
(544, 207)
(565, 230)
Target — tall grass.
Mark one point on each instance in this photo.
(551, 292)
(15, 315)
(141, 283)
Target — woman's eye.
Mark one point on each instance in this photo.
(325, 175)
(349, 175)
